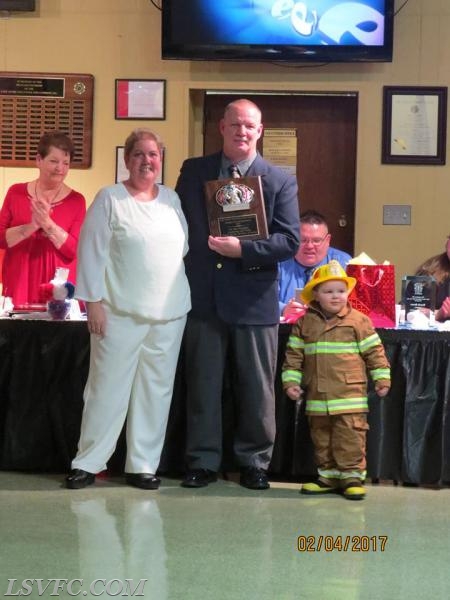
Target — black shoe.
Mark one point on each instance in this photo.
(254, 478)
(78, 479)
(145, 481)
(197, 478)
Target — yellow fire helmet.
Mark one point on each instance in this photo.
(328, 272)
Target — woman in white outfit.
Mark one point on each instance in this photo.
(131, 277)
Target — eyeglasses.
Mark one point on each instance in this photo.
(313, 241)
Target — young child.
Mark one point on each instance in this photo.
(329, 352)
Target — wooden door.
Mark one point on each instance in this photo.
(326, 149)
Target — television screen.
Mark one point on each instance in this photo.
(278, 30)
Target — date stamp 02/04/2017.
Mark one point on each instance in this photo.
(342, 543)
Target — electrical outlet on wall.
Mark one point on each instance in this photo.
(396, 214)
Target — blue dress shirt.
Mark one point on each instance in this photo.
(293, 275)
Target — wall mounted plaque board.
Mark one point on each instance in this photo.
(33, 103)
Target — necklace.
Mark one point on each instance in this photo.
(52, 201)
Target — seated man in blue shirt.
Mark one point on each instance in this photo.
(314, 251)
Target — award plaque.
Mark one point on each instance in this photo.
(419, 293)
(235, 207)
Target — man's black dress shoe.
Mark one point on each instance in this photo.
(78, 479)
(254, 478)
(145, 481)
(197, 478)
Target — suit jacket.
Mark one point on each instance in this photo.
(238, 290)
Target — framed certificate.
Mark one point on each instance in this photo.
(140, 99)
(414, 125)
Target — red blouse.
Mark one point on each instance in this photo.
(33, 261)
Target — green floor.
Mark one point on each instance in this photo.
(221, 542)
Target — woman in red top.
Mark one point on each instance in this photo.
(40, 223)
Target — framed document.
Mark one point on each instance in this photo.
(235, 207)
(414, 125)
(140, 99)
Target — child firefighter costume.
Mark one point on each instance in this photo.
(330, 353)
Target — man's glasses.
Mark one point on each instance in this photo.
(313, 241)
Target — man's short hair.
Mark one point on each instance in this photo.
(313, 217)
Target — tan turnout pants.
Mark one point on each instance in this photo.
(340, 447)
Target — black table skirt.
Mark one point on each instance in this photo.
(44, 366)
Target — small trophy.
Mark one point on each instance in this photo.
(419, 293)
(235, 207)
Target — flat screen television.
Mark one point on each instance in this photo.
(17, 5)
(278, 30)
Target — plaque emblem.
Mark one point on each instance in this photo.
(79, 88)
(234, 196)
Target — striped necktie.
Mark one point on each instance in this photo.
(234, 171)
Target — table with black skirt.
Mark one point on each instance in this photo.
(43, 371)
(409, 436)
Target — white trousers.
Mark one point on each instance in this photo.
(131, 375)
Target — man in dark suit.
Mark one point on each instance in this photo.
(234, 317)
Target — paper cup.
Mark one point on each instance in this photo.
(399, 315)
(297, 293)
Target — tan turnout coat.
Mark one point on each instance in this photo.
(332, 360)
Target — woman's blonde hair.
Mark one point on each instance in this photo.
(141, 133)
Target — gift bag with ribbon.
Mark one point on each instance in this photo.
(374, 292)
